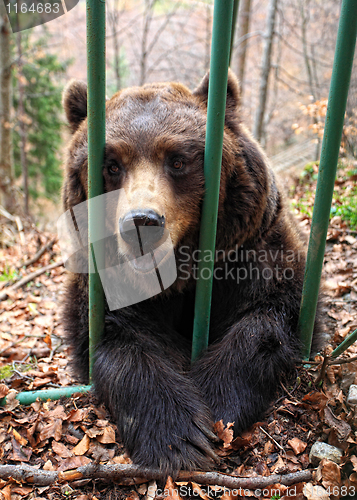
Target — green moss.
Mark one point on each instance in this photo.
(9, 274)
(344, 203)
(6, 372)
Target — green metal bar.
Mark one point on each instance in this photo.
(96, 143)
(29, 397)
(234, 24)
(351, 339)
(341, 74)
(217, 93)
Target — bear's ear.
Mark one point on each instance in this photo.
(233, 93)
(75, 103)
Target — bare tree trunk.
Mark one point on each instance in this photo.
(312, 85)
(21, 116)
(113, 23)
(7, 199)
(243, 30)
(208, 36)
(304, 22)
(116, 60)
(266, 65)
(148, 14)
(274, 93)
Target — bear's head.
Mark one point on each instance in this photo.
(154, 152)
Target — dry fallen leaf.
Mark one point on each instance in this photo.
(61, 450)
(73, 463)
(6, 493)
(353, 459)
(151, 491)
(19, 438)
(4, 390)
(52, 429)
(225, 433)
(317, 399)
(48, 466)
(20, 453)
(82, 447)
(172, 490)
(133, 496)
(312, 492)
(198, 491)
(108, 436)
(21, 490)
(122, 459)
(279, 466)
(297, 445)
(229, 495)
(342, 428)
(330, 474)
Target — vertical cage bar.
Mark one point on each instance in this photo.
(217, 93)
(341, 74)
(96, 143)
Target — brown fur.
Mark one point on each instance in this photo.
(164, 409)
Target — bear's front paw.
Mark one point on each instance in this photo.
(179, 440)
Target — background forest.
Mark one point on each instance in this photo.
(283, 55)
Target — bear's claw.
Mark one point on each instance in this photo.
(181, 443)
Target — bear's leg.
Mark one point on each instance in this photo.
(239, 374)
(160, 414)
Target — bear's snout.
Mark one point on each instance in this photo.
(151, 226)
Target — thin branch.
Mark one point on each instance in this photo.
(331, 361)
(39, 254)
(26, 279)
(28, 474)
(321, 375)
(124, 28)
(270, 437)
(300, 53)
(289, 87)
(161, 29)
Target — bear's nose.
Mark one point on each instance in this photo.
(151, 226)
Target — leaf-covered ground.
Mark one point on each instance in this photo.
(63, 435)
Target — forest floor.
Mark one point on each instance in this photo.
(74, 432)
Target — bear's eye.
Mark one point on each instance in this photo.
(178, 164)
(113, 168)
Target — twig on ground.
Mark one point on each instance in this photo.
(343, 230)
(342, 361)
(6, 214)
(17, 342)
(39, 254)
(26, 279)
(321, 375)
(17, 220)
(20, 229)
(270, 437)
(330, 361)
(28, 474)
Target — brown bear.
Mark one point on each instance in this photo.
(164, 408)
